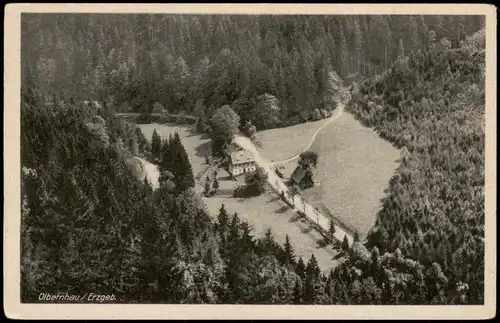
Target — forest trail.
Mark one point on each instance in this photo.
(338, 113)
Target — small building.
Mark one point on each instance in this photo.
(241, 161)
(303, 177)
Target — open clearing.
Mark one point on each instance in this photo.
(354, 168)
(262, 212)
(268, 211)
(144, 169)
(282, 143)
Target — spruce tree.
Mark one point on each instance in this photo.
(300, 269)
(167, 157)
(185, 169)
(207, 188)
(221, 226)
(331, 229)
(223, 217)
(312, 280)
(401, 49)
(156, 146)
(267, 244)
(297, 292)
(356, 236)
(289, 253)
(345, 244)
(234, 228)
(175, 159)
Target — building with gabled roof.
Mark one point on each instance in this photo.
(303, 177)
(240, 161)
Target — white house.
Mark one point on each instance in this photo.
(241, 161)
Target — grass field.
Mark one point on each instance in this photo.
(354, 167)
(282, 143)
(268, 211)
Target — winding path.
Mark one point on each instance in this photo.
(276, 183)
(338, 112)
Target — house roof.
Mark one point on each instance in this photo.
(241, 156)
(299, 173)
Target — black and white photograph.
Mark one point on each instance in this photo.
(260, 158)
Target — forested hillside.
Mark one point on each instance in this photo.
(88, 224)
(198, 63)
(433, 105)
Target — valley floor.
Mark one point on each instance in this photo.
(354, 167)
(268, 211)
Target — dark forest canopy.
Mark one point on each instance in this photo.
(206, 61)
(88, 224)
(434, 108)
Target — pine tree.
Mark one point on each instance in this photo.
(358, 43)
(223, 217)
(216, 183)
(297, 292)
(167, 157)
(414, 34)
(345, 244)
(222, 226)
(155, 145)
(177, 160)
(331, 230)
(401, 50)
(344, 52)
(234, 229)
(356, 236)
(300, 269)
(207, 188)
(267, 244)
(312, 281)
(289, 253)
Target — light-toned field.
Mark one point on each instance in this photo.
(144, 169)
(197, 145)
(260, 212)
(282, 143)
(354, 167)
(268, 211)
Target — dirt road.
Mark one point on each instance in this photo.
(338, 112)
(277, 184)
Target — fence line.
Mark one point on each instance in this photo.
(346, 227)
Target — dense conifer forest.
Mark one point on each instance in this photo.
(198, 63)
(89, 225)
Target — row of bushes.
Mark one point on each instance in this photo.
(166, 118)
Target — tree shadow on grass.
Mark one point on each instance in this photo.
(321, 243)
(203, 136)
(273, 199)
(282, 209)
(294, 218)
(306, 230)
(338, 256)
(204, 149)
